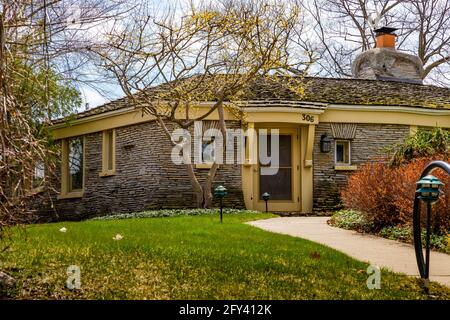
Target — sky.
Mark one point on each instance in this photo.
(110, 92)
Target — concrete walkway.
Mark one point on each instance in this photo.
(393, 255)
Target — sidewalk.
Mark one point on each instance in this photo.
(393, 255)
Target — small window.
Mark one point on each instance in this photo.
(208, 147)
(72, 168)
(38, 175)
(343, 153)
(109, 153)
(76, 160)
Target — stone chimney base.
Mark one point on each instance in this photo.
(388, 64)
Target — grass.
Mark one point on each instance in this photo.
(189, 257)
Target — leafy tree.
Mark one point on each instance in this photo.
(213, 52)
(424, 143)
(38, 43)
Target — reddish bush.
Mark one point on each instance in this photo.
(386, 195)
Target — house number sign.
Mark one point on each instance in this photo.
(307, 117)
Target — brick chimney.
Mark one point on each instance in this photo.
(384, 62)
(385, 37)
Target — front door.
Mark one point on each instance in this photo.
(283, 186)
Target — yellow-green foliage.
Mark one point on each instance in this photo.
(424, 143)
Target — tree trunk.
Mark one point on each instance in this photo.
(207, 186)
(196, 186)
(203, 194)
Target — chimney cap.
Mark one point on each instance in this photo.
(385, 30)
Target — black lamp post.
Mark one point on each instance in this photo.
(220, 192)
(266, 197)
(428, 191)
(325, 143)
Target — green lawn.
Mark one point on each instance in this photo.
(189, 257)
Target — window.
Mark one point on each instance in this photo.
(342, 152)
(109, 153)
(38, 176)
(279, 185)
(208, 151)
(75, 164)
(72, 167)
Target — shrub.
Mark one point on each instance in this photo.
(437, 241)
(397, 233)
(448, 243)
(170, 213)
(385, 195)
(351, 220)
(404, 198)
(405, 233)
(424, 144)
(371, 191)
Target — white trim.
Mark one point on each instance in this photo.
(342, 164)
(283, 109)
(94, 117)
(346, 168)
(292, 107)
(405, 109)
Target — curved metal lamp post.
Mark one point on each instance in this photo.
(266, 197)
(428, 191)
(220, 192)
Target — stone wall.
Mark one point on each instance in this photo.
(369, 142)
(385, 62)
(145, 178)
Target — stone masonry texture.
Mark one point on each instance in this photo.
(369, 143)
(145, 178)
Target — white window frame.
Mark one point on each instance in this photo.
(349, 152)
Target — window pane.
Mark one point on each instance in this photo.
(110, 153)
(208, 151)
(346, 152)
(278, 185)
(284, 149)
(38, 176)
(75, 164)
(339, 152)
(343, 152)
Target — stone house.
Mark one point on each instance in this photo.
(339, 124)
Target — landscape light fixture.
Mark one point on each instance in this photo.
(428, 191)
(266, 197)
(220, 192)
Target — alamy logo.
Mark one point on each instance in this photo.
(73, 277)
(374, 279)
(208, 147)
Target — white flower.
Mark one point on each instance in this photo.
(63, 229)
(118, 237)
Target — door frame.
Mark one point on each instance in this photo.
(294, 204)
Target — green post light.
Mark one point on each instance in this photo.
(428, 191)
(220, 192)
(266, 197)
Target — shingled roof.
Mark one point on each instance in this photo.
(333, 91)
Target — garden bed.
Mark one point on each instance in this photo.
(354, 220)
